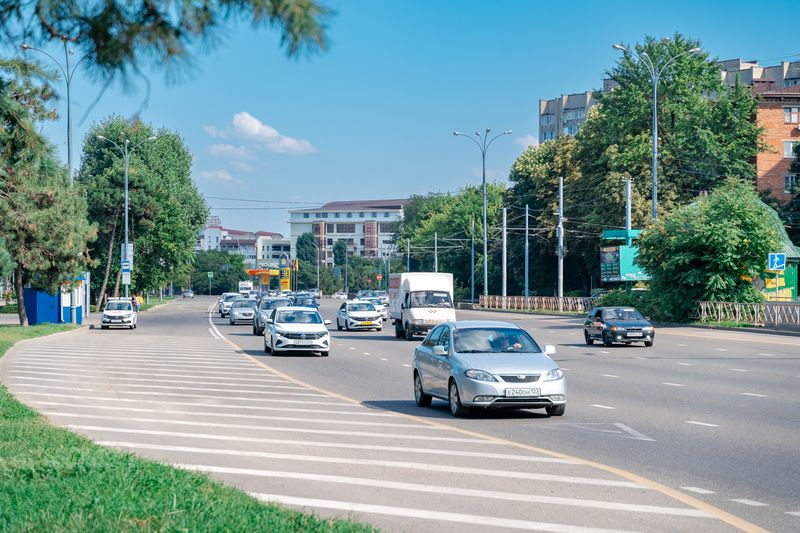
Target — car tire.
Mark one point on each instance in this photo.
(338, 325)
(346, 327)
(586, 336)
(398, 331)
(606, 340)
(379, 329)
(556, 410)
(648, 343)
(266, 346)
(324, 354)
(454, 399)
(422, 399)
(409, 334)
(103, 327)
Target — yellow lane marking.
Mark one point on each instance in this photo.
(724, 516)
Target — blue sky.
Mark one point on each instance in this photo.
(373, 116)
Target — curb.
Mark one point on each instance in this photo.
(745, 330)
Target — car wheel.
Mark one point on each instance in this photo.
(324, 354)
(408, 333)
(231, 322)
(606, 339)
(379, 329)
(338, 324)
(422, 399)
(648, 343)
(346, 326)
(456, 409)
(586, 336)
(556, 410)
(103, 327)
(255, 331)
(398, 331)
(266, 346)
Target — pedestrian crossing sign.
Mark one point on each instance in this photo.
(777, 262)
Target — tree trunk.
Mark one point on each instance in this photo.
(116, 285)
(19, 286)
(102, 294)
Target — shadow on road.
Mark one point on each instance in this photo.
(439, 410)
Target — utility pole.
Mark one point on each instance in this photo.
(472, 265)
(526, 250)
(505, 254)
(560, 234)
(628, 205)
(346, 286)
(408, 255)
(436, 252)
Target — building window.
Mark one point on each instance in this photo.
(361, 215)
(317, 215)
(349, 215)
(387, 215)
(330, 242)
(336, 215)
(789, 183)
(571, 130)
(388, 227)
(345, 228)
(362, 242)
(791, 83)
(546, 120)
(788, 148)
(791, 115)
(306, 215)
(329, 228)
(324, 215)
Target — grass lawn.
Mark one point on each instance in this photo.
(56, 481)
(154, 302)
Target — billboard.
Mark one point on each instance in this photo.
(618, 263)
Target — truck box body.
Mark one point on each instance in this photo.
(245, 287)
(418, 301)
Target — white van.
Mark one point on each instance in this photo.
(418, 301)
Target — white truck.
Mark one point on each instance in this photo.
(245, 287)
(419, 301)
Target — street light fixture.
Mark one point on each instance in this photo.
(483, 145)
(68, 74)
(125, 151)
(655, 71)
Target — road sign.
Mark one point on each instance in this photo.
(379, 277)
(126, 267)
(126, 278)
(210, 275)
(777, 261)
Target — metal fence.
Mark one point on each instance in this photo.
(782, 315)
(538, 303)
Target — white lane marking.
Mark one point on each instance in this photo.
(637, 435)
(610, 376)
(295, 430)
(178, 394)
(113, 378)
(384, 359)
(562, 368)
(367, 353)
(438, 489)
(698, 490)
(350, 348)
(683, 345)
(737, 370)
(672, 384)
(160, 366)
(405, 512)
(602, 406)
(320, 444)
(754, 395)
(111, 358)
(406, 365)
(402, 465)
(793, 513)
(104, 384)
(767, 354)
(751, 503)
(642, 358)
(605, 352)
(721, 349)
(172, 402)
(684, 364)
(706, 424)
(196, 375)
(138, 352)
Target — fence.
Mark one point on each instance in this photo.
(538, 303)
(782, 315)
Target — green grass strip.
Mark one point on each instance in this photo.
(56, 481)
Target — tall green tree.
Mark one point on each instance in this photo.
(305, 248)
(43, 221)
(339, 253)
(707, 250)
(227, 270)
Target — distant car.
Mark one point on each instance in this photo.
(363, 294)
(611, 325)
(225, 302)
(296, 328)
(188, 294)
(242, 311)
(379, 306)
(487, 364)
(383, 295)
(340, 295)
(265, 307)
(316, 293)
(119, 312)
(356, 314)
(305, 301)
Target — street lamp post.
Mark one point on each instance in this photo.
(125, 151)
(68, 74)
(314, 242)
(655, 71)
(483, 145)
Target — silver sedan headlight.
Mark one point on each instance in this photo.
(479, 375)
(554, 375)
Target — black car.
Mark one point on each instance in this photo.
(618, 324)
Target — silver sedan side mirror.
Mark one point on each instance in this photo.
(439, 350)
(327, 322)
(549, 349)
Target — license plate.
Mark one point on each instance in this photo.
(304, 343)
(116, 320)
(365, 323)
(522, 393)
(634, 334)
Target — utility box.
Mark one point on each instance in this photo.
(41, 307)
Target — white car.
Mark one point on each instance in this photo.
(340, 296)
(297, 329)
(226, 301)
(379, 306)
(119, 312)
(357, 314)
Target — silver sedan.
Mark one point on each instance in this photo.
(242, 311)
(487, 364)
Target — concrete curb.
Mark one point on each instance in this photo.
(744, 330)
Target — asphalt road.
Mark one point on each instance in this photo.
(692, 434)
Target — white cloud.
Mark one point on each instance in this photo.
(229, 150)
(247, 127)
(219, 175)
(527, 140)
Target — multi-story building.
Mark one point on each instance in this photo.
(564, 115)
(786, 74)
(779, 117)
(259, 248)
(368, 227)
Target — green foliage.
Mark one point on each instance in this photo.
(305, 248)
(228, 271)
(645, 301)
(6, 261)
(123, 38)
(707, 250)
(339, 252)
(307, 272)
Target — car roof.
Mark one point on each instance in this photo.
(470, 324)
(296, 309)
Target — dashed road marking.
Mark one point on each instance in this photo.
(738, 370)
(601, 406)
(668, 384)
(706, 424)
(698, 490)
(384, 359)
(683, 345)
(754, 395)
(406, 365)
(767, 354)
(367, 353)
(610, 376)
(721, 349)
(350, 348)
(642, 358)
(751, 503)
(684, 364)
(605, 352)
(793, 513)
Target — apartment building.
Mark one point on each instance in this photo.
(258, 248)
(367, 227)
(779, 117)
(563, 115)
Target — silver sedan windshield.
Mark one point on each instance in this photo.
(494, 340)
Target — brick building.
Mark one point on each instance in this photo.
(779, 116)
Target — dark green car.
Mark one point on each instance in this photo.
(611, 325)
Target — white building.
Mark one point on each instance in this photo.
(258, 248)
(368, 227)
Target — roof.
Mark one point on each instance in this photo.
(359, 205)
(785, 244)
(782, 92)
(269, 234)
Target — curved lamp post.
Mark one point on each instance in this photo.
(656, 70)
(483, 142)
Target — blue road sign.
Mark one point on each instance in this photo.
(777, 261)
(126, 266)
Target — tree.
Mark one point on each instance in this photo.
(42, 220)
(227, 269)
(707, 250)
(6, 261)
(791, 211)
(339, 253)
(305, 248)
(123, 38)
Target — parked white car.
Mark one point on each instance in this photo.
(357, 314)
(297, 329)
(119, 312)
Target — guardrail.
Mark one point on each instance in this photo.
(538, 303)
(765, 314)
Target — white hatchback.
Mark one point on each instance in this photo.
(119, 312)
(296, 329)
(357, 314)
